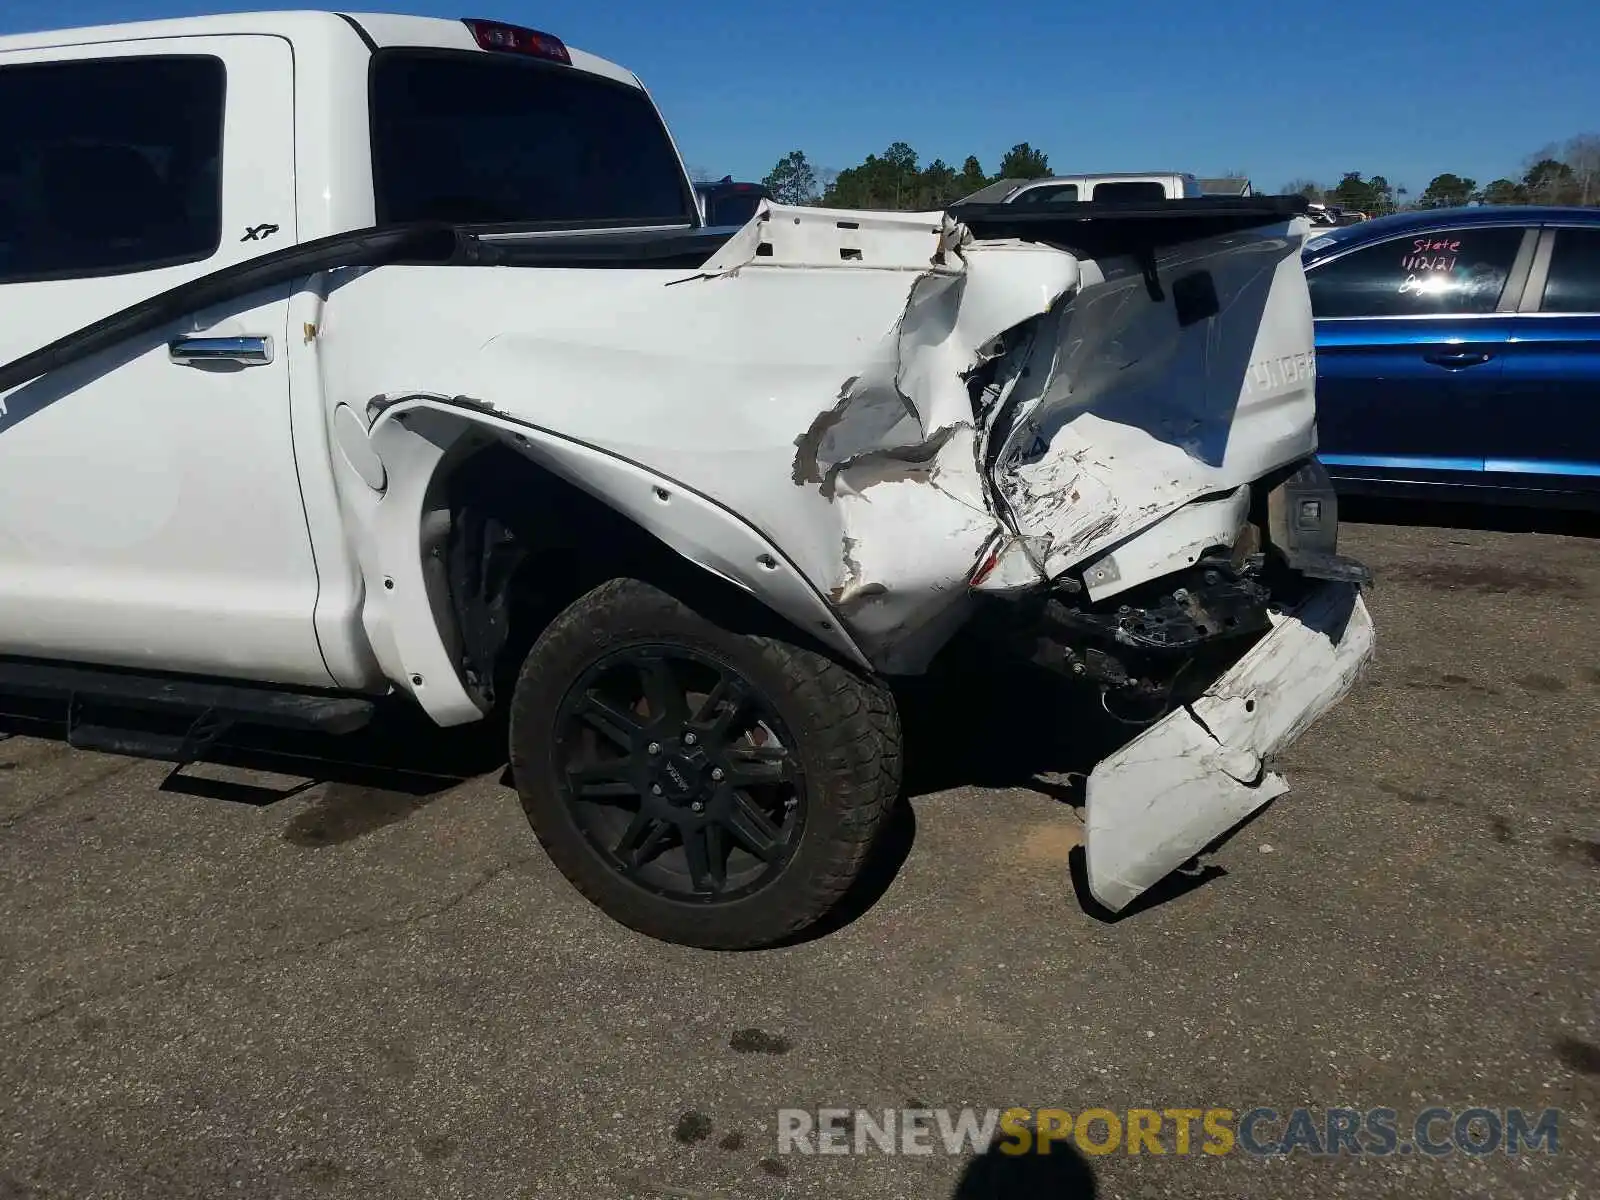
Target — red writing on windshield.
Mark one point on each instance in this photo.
(1431, 254)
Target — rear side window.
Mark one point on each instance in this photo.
(1060, 193)
(109, 165)
(482, 139)
(1130, 191)
(1446, 272)
(1574, 282)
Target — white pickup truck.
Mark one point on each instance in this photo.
(359, 357)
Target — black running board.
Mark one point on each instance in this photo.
(138, 743)
(213, 704)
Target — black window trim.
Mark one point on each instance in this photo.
(691, 217)
(155, 264)
(1516, 284)
(1539, 279)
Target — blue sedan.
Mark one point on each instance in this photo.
(1458, 354)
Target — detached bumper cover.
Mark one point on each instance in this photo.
(1202, 769)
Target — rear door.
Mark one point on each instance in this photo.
(1411, 335)
(150, 510)
(1547, 420)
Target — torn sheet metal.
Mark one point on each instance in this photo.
(1203, 768)
(1177, 541)
(1127, 412)
(898, 453)
(1109, 407)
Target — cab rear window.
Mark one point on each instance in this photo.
(477, 138)
(1130, 190)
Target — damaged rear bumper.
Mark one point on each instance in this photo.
(1205, 767)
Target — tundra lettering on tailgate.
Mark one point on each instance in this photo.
(1276, 374)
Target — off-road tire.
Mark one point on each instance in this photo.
(848, 743)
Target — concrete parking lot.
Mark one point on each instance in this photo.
(328, 981)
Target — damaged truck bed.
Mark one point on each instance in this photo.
(1103, 409)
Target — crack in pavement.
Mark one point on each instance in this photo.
(195, 969)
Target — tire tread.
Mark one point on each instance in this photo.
(850, 718)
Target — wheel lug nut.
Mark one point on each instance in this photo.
(689, 739)
(655, 789)
(716, 773)
(654, 747)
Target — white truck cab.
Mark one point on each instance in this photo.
(351, 359)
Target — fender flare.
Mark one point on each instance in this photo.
(391, 474)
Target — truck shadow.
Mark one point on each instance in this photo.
(972, 723)
(968, 723)
(370, 778)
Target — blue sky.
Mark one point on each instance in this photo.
(1286, 89)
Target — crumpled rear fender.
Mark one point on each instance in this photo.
(389, 466)
(899, 452)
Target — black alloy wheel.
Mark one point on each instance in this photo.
(679, 773)
(702, 785)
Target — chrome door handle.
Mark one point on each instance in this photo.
(250, 351)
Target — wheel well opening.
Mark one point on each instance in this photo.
(508, 545)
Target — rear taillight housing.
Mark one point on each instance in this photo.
(515, 39)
